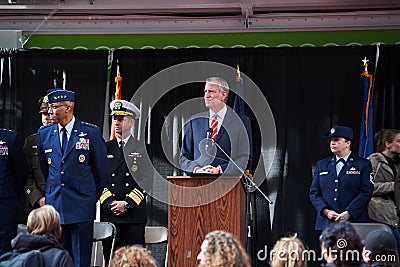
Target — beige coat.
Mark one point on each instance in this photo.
(382, 207)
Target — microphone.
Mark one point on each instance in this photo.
(209, 133)
(247, 180)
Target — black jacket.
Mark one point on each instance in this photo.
(130, 177)
(52, 251)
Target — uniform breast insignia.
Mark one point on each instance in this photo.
(353, 171)
(34, 146)
(49, 161)
(323, 173)
(82, 144)
(81, 158)
(48, 150)
(134, 168)
(135, 155)
(3, 149)
(109, 156)
(82, 134)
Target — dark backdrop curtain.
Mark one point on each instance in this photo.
(10, 104)
(387, 89)
(33, 72)
(308, 90)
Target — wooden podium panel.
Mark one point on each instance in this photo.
(209, 205)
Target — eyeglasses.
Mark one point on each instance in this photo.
(54, 106)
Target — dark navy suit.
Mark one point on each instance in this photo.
(350, 191)
(13, 176)
(233, 137)
(75, 181)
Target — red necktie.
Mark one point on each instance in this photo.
(214, 127)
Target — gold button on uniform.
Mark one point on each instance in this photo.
(112, 184)
(113, 174)
(127, 184)
(127, 174)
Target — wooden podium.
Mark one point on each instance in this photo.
(199, 205)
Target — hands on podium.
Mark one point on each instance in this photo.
(208, 169)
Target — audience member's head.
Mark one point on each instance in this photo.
(341, 245)
(288, 252)
(131, 256)
(222, 249)
(44, 221)
(380, 246)
(387, 141)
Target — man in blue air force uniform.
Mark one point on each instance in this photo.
(73, 159)
(341, 187)
(123, 201)
(13, 176)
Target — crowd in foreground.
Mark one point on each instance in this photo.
(340, 246)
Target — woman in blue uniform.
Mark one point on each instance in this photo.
(341, 187)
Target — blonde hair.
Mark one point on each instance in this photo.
(288, 252)
(131, 256)
(224, 250)
(44, 221)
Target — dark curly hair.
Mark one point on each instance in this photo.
(342, 243)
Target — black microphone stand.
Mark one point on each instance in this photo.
(248, 182)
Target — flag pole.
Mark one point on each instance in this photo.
(117, 96)
(366, 145)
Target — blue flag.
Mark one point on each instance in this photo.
(239, 108)
(238, 105)
(366, 146)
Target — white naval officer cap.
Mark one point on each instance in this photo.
(124, 108)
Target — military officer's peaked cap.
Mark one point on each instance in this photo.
(124, 108)
(60, 95)
(43, 104)
(340, 131)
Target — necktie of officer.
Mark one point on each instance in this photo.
(339, 165)
(214, 127)
(121, 147)
(64, 139)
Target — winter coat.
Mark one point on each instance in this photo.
(382, 207)
(52, 251)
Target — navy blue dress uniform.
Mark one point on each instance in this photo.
(13, 176)
(350, 190)
(74, 179)
(129, 169)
